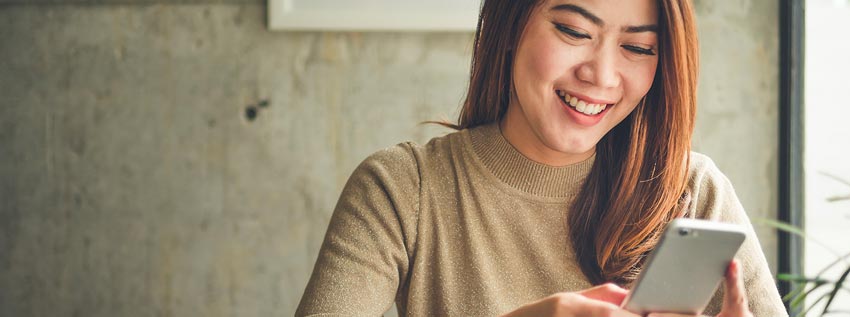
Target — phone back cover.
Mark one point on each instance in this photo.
(685, 273)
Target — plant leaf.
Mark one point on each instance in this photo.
(838, 198)
(800, 297)
(814, 304)
(836, 289)
(800, 278)
(839, 260)
(835, 178)
(783, 226)
(792, 294)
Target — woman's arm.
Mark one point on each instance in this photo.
(364, 260)
(715, 199)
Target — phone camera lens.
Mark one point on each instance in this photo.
(684, 232)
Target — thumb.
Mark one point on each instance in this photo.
(608, 292)
(734, 297)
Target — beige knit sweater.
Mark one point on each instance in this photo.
(467, 226)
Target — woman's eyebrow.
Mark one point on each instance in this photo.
(574, 8)
(641, 28)
(596, 20)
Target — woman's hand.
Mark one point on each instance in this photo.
(601, 301)
(734, 297)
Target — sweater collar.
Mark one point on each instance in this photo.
(513, 168)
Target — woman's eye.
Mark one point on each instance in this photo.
(639, 50)
(570, 32)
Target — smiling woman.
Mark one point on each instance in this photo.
(573, 153)
(566, 50)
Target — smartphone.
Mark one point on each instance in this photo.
(685, 268)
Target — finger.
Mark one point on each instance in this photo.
(734, 298)
(670, 315)
(593, 307)
(609, 292)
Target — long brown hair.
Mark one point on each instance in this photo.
(637, 182)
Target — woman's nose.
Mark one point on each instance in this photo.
(600, 70)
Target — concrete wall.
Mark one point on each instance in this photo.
(738, 115)
(133, 184)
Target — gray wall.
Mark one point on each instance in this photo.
(738, 114)
(132, 184)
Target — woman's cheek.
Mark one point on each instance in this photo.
(550, 59)
(647, 77)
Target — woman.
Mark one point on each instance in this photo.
(573, 153)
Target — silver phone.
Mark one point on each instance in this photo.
(687, 265)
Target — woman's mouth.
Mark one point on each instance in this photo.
(584, 107)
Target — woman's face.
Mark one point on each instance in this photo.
(581, 66)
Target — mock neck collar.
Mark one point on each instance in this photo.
(515, 169)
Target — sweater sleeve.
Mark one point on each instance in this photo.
(716, 200)
(364, 258)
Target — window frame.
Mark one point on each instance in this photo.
(791, 138)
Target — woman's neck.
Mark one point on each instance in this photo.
(516, 130)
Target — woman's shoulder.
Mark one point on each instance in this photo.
(711, 191)
(411, 152)
(702, 171)
(410, 155)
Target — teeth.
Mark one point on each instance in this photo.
(581, 105)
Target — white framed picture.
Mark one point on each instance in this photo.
(374, 15)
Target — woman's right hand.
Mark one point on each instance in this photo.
(602, 301)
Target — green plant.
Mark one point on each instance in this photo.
(804, 286)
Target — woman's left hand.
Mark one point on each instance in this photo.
(734, 296)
